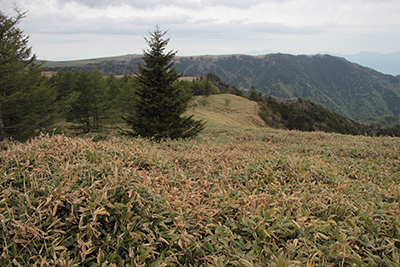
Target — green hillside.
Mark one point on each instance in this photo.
(302, 115)
(383, 120)
(236, 195)
(226, 109)
(85, 62)
(239, 194)
(346, 88)
(351, 90)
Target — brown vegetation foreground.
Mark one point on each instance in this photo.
(231, 197)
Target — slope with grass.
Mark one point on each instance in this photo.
(85, 62)
(349, 89)
(237, 195)
(226, 109)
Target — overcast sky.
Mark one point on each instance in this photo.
(77, 29)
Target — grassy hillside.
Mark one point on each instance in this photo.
(85, 62)
(226, 109)
(351, 90)
(344, 87)
(125, 64)
(237, 195)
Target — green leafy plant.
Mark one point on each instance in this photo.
(234, 196)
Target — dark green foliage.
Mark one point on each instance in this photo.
(26, 102)
(159, 104)
(29, 111)
(387, 130)
(222, 86)
(63, 82)
(282, 115)
(383, 120)
(91, 102)
(254, 96)
(126, 98)
(88, 109)
(198, 87)
(113, 89)
(344, 87)
(305, 115)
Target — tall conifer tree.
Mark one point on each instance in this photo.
(159, 104)
(26, 103)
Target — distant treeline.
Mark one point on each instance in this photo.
(85, 101)
(351, 90)
(203, 84)
(93, 103)
(116, 67)
(304, 115)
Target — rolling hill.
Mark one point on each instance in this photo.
(234, 111)
(226, 109)
(347, 88)
(354, 91)
(233, 196)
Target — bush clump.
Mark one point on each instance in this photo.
(244, 197)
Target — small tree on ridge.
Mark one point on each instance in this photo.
(159, 104)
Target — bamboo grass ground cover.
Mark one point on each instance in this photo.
(231, 197)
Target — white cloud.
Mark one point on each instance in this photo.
(210, 26)
(150, 4)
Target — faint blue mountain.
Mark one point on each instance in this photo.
(258, 52)
(385, 63)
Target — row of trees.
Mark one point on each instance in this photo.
(91, 102)
(152, 102)
(305, 115)
(87, 101)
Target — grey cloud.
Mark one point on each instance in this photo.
(56, 24)
(151, 4)
(7, 7)
(92, 3)
(234, 29)
(136, 25)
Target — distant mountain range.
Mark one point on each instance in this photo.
(349, 89)
(385, 63)
(354, 91)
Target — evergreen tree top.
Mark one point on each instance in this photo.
(158, 70)
(13, 42)
(159, 104)
(157, 45)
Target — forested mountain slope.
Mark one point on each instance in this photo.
(349, 89)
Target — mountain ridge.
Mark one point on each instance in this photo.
(347, 88)
(385, 63)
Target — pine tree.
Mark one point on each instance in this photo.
(126, 98)
(159, 104)
(63, 83)
(88, 111)
(26, 102)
